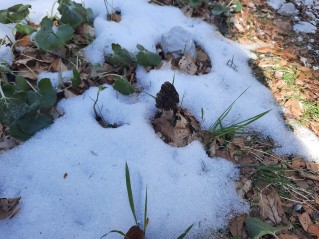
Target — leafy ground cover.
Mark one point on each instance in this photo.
(114, 80)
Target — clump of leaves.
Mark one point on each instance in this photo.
(47, 38)
(24, 109)
(135, 232)
(227, 9)
(218, 129)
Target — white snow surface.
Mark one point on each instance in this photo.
(276, 4)
(184, 185)
(305, 27)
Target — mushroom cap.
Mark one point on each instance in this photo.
(167, 98)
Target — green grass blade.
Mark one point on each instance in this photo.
(145, 213)
(225, 113)
(129, 192)
(185, 233)
(116, 231)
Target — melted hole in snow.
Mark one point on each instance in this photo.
(176, 128)
(186, 63)
(115, 16)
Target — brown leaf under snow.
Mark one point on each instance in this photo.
(271, 208)
(8, 207)
(57, 66)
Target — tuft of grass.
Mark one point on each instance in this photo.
(229, 131)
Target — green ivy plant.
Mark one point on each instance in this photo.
(47, 38)
(24, 109)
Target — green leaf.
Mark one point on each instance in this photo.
(219, 9)
(74, 14)
(30, 124)
(257, 228)
(129, 192)
(47, 39)
(120, 56)
(24, 29)
(44, 98)
(21, 84)
(76, 81)
(14, 14)
(11, 110)
(147, 58)
(4, 69)
(185, 233)
(237, 7)
(123, 86)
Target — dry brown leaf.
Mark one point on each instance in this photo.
(243, 186)
(24, 41)
(187, 64)
(271, 208)
(298, 163)
(8, 207)
(295, 107)
(236, 225)
(314, 167)
(57, 66)
(305, 220)
(314, 229)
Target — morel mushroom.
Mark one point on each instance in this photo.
(166, 101)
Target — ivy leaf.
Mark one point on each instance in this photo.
(11, 110)
(147, 58)
(48, 39)
(219, 9)
(4, 69)
(257, 228)
(237, 7)
(14, 14)
(76, 81)
(21, 84)
(120, 56)
(44, 98)
(29, 124)
(123, 86)
(74, 14)
(24, 29)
